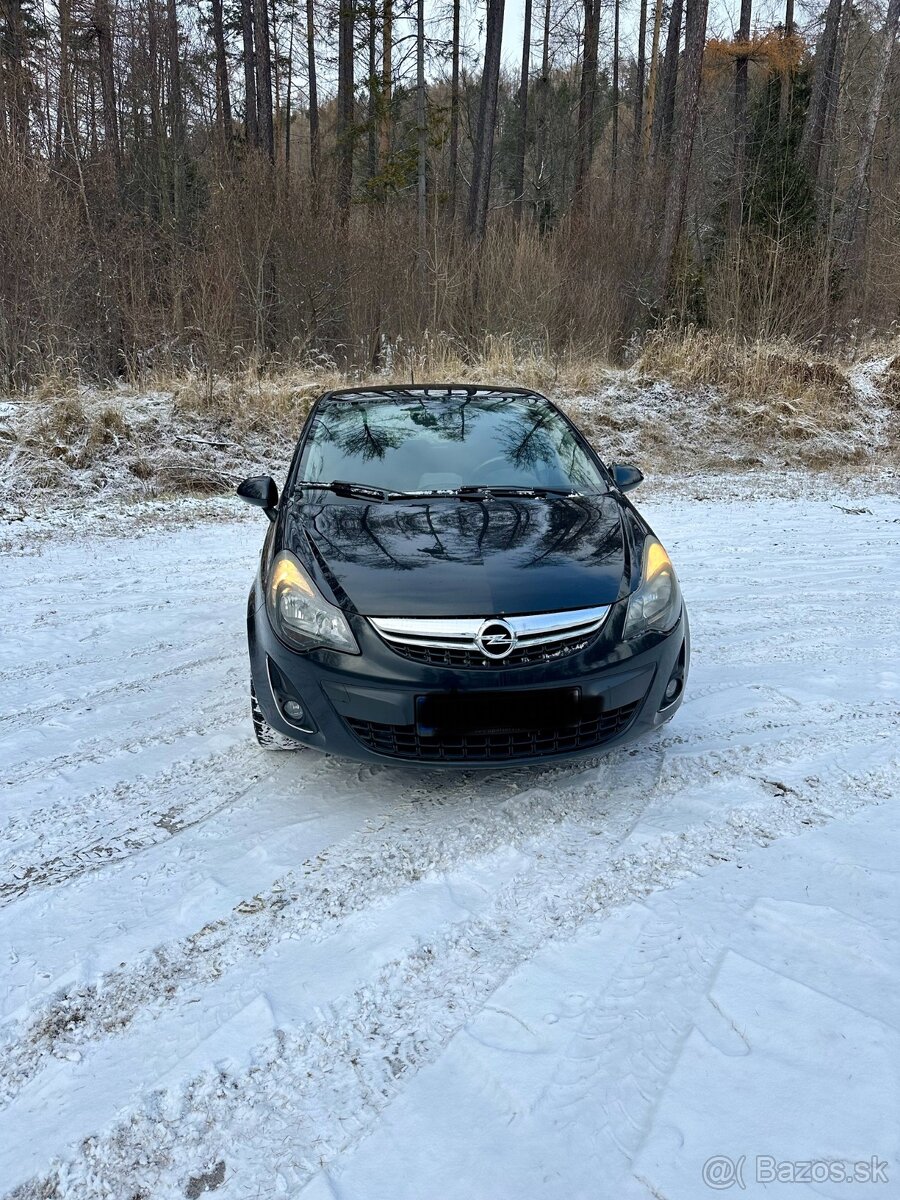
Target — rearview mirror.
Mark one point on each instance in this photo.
(262, 491)
(626, 478)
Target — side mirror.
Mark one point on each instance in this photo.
(262, 491)
(626, 478)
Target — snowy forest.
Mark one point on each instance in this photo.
(218, 182)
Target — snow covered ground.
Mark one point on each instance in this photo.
(282, 976)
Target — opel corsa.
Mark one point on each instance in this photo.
(453, 576)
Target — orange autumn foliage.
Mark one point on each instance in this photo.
(779, 52)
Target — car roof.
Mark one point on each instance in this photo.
(419, 391)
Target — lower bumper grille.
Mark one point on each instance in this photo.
(404, 741)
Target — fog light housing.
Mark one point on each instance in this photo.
(675, 686)
(290, 706)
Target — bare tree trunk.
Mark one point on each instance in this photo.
(651, 82)
(741, 66)
(64, 97)
(825, 169)
(372, 90)
(852, 227)
(587, 92)
(288, 106)
(274, 67)
(640, 81)
(543, 113)
(345, 108)
(676, 193)
(251, 120)
(454, 113)
(387, 78)
(263, 78)
(480, 190)
(46, 122)
(266, 298)
(222, 89)
(615, 96)
(664, 114)
(313, 91)
(421, 145)
(522, 115)
(157, 122)
(176, 109)
(108, 217)
(14, 76)
(787, 75)
(176, 122)
(46, 97)
(811, 138)
(103, 30)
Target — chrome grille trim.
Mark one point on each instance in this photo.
(459, 633)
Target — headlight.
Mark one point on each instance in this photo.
(657, 602)
(302, 617)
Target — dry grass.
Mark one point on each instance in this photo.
(891, 383)
(498, 359)
(776, 394)
(54, 383)
(742, 370)
(690, 401)
(256, 400)
(65, 430)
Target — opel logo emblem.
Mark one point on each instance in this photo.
(496, 639)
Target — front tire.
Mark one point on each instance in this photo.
(267, 737)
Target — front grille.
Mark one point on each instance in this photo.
(404, 741)
(454, 642)
(522, 656)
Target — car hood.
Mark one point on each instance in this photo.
(446, 557)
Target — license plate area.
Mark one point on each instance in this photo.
(463, 713)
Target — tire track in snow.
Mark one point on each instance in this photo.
(314, 1092)
(93, 829)
(199, 718)
(24, 718)
(66, 852)
(354, 874)
(74, 837)
(629, 1037)
(65, 839)
(347, 878)
(111, 658)
(34, 669)
(101, 611)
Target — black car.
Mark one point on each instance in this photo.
(452, 576)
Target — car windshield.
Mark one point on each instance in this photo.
(419, 440)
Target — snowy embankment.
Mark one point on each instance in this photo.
(267, 975)
(124, 443)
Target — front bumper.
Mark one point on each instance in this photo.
(363, 706)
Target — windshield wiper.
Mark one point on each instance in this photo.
(475, 491)
(481, 491)
(471, 491)
(360, 491)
